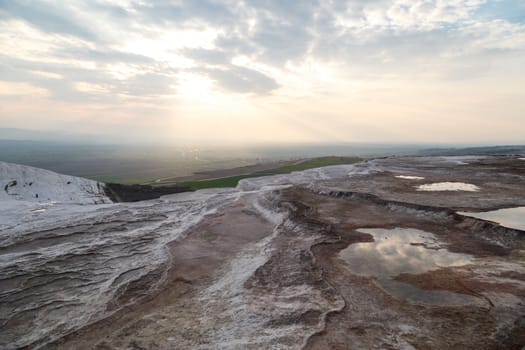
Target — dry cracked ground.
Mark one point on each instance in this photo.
(349, 257)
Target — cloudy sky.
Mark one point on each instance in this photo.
(266, 70)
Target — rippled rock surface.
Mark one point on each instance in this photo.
(273, 263)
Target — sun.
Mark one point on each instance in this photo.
(192, 86)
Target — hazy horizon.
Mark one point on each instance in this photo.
(59, 137)
(264, 72)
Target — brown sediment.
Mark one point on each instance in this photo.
(464, 281)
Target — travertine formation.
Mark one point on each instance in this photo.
(343, 257)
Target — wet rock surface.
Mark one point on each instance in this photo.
(278, 263)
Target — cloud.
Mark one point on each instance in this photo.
(166, 13)
(131, 55)
(105, 55)
(121, 42)
(242, 80)
(207, 56)
(419, 39)
(148, 84)
(72, 84)
(8, 89)
(281, 42)
(46, 16)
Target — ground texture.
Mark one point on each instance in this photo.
(343, 257)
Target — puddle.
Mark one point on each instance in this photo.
(410, 177)
(399, 250)
(431, 297)
(522, 158)
(510, 217)
(405, 250)
(38, 211)
(448, 186)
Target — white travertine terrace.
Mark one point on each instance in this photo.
(409, 177)
(448, 186)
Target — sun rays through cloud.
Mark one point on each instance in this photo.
(386, 70)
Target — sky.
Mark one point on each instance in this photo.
(265, 71)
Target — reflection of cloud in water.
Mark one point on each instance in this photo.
(448, 186)
(392, 253)
(401, 250)
(509, 217)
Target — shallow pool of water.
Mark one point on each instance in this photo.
(509, 217)
(448, 186)
(416, 295)
(404, 250)
(399, 250)
(409, 177)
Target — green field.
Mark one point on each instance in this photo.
(315, 163)
(232, 181)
